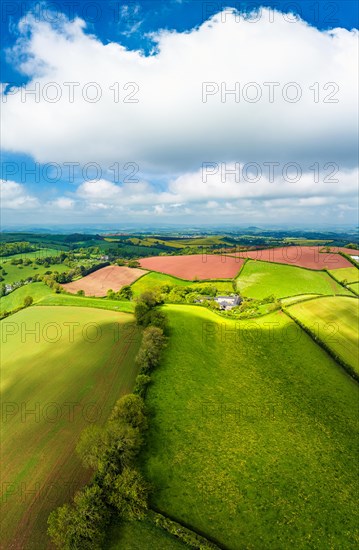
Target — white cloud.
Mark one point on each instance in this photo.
(14, 196)
(64, 203)
(170, 130)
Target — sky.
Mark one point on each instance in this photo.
(180, 112)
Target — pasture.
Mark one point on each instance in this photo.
(335, 321)
(40, 253)
(16, 273)
(155, 280)
(66, 374)
(260, 279)
(16, 298)
(252, 438)
(83, 301)
(99, 282)
(348, 274)
(355, 287)
(195, 266)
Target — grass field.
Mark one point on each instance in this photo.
(156, 280)
(41, 253)
(253, 434)
(82, 301)
(293, 299)
(349, 274)
(355, 287)
(18, 272)
(53, 386)
(16, 298)
(141, 535)
(260, 279)
(336, 322)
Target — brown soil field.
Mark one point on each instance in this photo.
(348, 251)
(302, 256)
(100, 281)
(200, 266)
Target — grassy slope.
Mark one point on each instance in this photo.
(141, 535)
(335, 321)
(16, 298)
(44, 376)
(350, 274)
(260, 279)
(41, 253)
(355, 287)
(16, 272)
(252, 439)
(82, 301)
(154, 279)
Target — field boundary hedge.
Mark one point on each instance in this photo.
(181, 531)
(349, 258)
(339, 282)
(348, 368)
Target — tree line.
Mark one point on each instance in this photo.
(118, 488)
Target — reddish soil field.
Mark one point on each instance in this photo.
(302, 256)
(100, 281)
(200, 266)
(348, 251)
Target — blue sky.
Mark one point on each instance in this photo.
(184, 150)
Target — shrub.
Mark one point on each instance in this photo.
(129, 494)
(133, 263)
(125, 292)
(28, 301)
(142, 381)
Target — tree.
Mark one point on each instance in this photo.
(28, 301)
(82, 525)
(149, 354)
(130, 409)
(141, 310)
(156, 318)
(130, 494)
(126, 292)
(133, 263)
(80, 293)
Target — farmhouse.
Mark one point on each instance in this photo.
(227, 302)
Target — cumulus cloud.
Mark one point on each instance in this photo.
(14, 196)
(170, 129)
(158, 117)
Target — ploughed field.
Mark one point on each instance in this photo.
(55, 381)
(99, 282)
(252, 439)
(302, 256)
(196, 266)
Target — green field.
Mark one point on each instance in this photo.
(141, 535)
(55, 383)
(82, 301)
(355, 287)
(348, 274)
(156, 280)
(336, 322)
(253, 434)
(260, 279)
(16, 298)
(302, 297)
(19, 272)
(41, 253)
